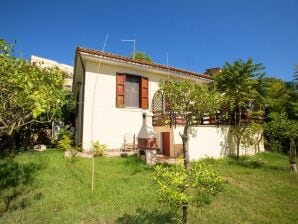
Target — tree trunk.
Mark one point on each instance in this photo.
(237, 145)
(184, 137)
(184, 214)
(239, 131)
(12, 143)
(293, 166)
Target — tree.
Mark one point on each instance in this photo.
(295, 76)
(179, 187)
(28, 94)
(189, 101)
(140, 55)
(292, 103)
(238, 82)
(275, 94)
(281, 128)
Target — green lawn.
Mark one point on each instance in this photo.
(55, 189)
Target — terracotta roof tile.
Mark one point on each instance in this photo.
(141, 62)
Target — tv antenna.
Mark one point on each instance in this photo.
(104, 44)
(134, 46)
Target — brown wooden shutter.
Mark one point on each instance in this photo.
(120, 85)
(144, 93)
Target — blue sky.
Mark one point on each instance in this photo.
(196, 34)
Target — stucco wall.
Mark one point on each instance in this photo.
(103, 121)
(216, 142)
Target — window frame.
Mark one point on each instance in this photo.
(143, 93)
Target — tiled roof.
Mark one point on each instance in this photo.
(140, 62)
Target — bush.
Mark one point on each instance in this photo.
(178, 186)
(65, 142)
(98, 149)
(65, 138)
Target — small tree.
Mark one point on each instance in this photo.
(179, 187)
(253, 136)
(140, 55)
(191, 102)
(282, 129)
(239, 84)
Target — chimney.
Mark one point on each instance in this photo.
(147, 140)
(147, 135)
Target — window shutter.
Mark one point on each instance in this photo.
(120, 84)
(144, 93)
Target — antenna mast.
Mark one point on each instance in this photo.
(104, 45)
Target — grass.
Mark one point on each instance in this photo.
(48, 188)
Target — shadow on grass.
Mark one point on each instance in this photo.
(15, 182)
(254, 162)
(144, 216)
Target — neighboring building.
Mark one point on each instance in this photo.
(112, 94)
(43, 62)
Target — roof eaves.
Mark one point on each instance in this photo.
(110, 56)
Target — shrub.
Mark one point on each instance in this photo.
(178, 187)
(65, 142)
(98, 149)
(64, 138)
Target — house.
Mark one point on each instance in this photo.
(44, 62)
(113, 92)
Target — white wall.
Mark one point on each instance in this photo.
(216, 142)
(103, 121)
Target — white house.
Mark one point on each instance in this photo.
(112, 94)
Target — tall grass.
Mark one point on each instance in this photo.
(59, 191)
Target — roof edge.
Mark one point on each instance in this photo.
(141, 62)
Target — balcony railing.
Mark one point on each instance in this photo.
(171, 119)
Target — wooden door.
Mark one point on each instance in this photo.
(166, 143)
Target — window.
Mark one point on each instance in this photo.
(131, 91)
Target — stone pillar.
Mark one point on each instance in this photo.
(150, 156)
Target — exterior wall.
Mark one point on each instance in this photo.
(78, 89)
(216, 142)
(103, 121)
(177, 141)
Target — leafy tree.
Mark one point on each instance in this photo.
(239, 83)
(275, 94)
(190, 102)
(292, 103)
(253, 136)
(296, 75)
(179, 187)
(140, 55)
(279, 128)
(28, 94)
